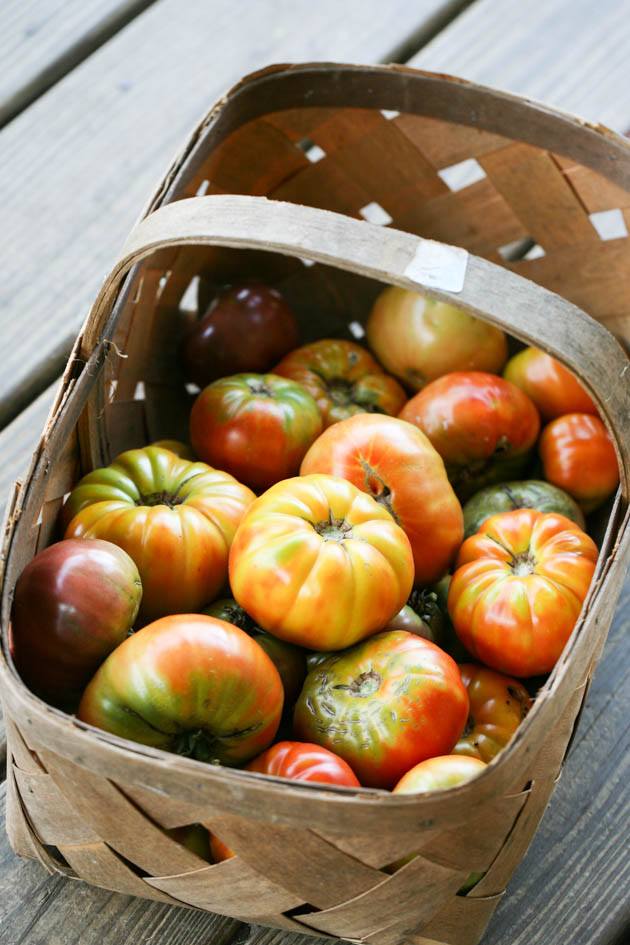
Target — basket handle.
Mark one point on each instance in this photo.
(531, 312)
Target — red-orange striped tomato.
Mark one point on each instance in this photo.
(302, 761)
(395, 462)
(551, 386)
(518, 589)
(174, 518)
(318, 563)
(498, 705)
(189, 684)
(577, 454)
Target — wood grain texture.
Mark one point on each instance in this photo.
(19, 439)
(87, 153)
(41, 40)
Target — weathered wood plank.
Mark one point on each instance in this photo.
(18, 440)
(41, 40)
(79, 163)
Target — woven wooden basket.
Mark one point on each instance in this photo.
(316, 139)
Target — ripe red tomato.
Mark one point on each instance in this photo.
(74, 603)
(190, 684)
(384, 705)
(247, 327)
(518, 589)
(318, 563)
(301, 761)
(498, 705)
(343, 378)
(176, 519)
(255, 426)
(419, 339)
(578, 456)
(481, 425)
(551, 386)
(395, 463)
(439, 774)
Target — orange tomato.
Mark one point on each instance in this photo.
(578, 455)
(518, 589)
(498, 705)
(303, 761)
(551, 386)
(395, 463)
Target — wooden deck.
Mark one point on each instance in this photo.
(95, 97)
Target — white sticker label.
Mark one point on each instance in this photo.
(438, 266)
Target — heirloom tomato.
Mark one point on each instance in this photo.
(578, 455)
(395, 463)
(421, 615)
(384, 705)
(527, 494)
(498, 705)
(482, 426)
(301, 761)
(255, 426)
(246, 328)
(74, 603)
(419, 339)
(318, 563)
(289, 660)
(176, 519)
(343, 378)
(439, 774)
(551, 386)
(518, 589)
(189, 684)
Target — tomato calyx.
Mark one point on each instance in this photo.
(365, 684)
(169, 499)
(334, 529)
(523, 564)
(259, 388)
(199, 745)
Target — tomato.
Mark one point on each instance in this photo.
(289, 660)
(318, 563)
(518, 589)
(418, 339)
(482, 426)
(384, 705)
(527, 494)
(343, 378)
(195, 838)
(255, 426)
(439, 774)
(247, 327)
(395, 463)
(421, 615)
(578, 455)
(498, 705)
(551, 386)
(74, 603)
(176, 519)
(189, 684)
(301, 761)
(219, 850)
(178, 447)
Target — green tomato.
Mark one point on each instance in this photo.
(526, 494)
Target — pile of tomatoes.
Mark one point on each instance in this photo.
(349, 572)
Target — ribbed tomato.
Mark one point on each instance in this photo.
(518, 589)
(189, 684)
(578, 456)
(482, 426)
(395, 463)
(319, 563)
(498, 705)
(418, 339)
(301, 761)
(551, 386)
(174, 518)
(384, 705)
(343, 378)
(255, 426)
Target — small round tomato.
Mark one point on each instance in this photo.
(527, 494)
(439, 774)
(174, 518)
(289, 660)
(518, 589)
(74, 603)
(578, 456)
(190, 684)
(384, 705)
(343, 378)
(498, 705)
(551, 386)
(255, 426)
(394, 462)
(482, 426)
(301, 761)
(318, 563)
(418, 339)
(421, 615)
